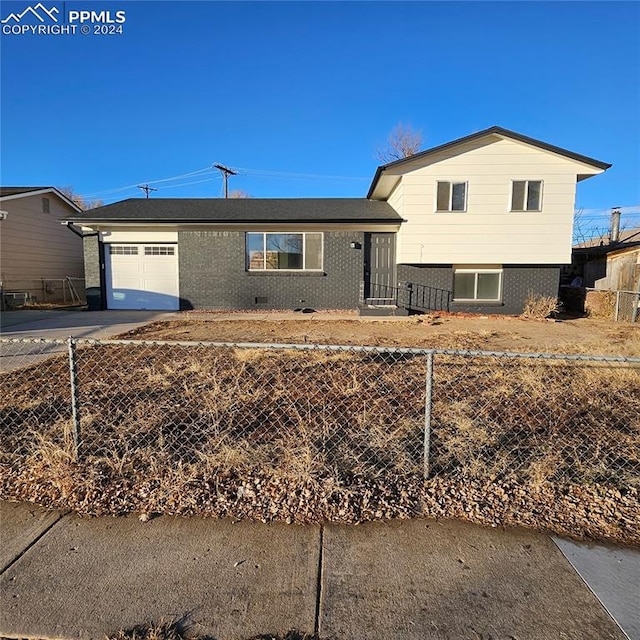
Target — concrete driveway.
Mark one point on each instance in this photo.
(57, 324)
(76, 323)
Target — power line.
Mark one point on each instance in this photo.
(290, 174)
(186, 184)
(135, 186)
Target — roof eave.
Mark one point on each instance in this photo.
(174, 221)
(36, 192)
(498, 131)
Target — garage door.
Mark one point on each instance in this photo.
(142, 276)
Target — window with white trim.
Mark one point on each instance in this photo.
(526, 195)
(451, 196)
(284, 251)
(477, 285)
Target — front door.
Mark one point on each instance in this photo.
(380, 266)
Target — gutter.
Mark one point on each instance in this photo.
(71, 228)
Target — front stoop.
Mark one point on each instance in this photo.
(381, 310)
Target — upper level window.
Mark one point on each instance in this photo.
(451, 196)
(46, 205)
(288, 251)
(526, 195)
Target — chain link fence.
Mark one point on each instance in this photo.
(323, 411)
(16, 293)
(627, 307)
(619, 306)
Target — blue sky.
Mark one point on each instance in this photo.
(312, 89)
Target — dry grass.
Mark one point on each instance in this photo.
(600, 304)
(440, 331)
(540, 307)
(306, 436)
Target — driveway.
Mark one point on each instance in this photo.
(79, 324)
(57, 324)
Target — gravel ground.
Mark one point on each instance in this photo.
(595, 513)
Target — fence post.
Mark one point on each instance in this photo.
(75, 405)
(617, 313)
(427, 413)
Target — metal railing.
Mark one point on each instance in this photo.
(410, 296)
(327, 411)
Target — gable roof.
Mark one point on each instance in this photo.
(241, 210)
(12, 193)
(498, 131)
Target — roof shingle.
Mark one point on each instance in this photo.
(241, 210)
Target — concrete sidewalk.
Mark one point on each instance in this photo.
(67, 577)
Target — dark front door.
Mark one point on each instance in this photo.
(380, 266)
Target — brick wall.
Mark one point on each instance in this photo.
(518, 281)
(213, 275)
(92, 269)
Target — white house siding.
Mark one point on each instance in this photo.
(396, 200)
(35, 246)
(488, 232)
(139, 236)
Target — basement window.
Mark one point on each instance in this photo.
(284, 251)
(477, 285)
(526, 195)
(451, 196)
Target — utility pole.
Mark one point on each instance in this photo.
(226, 172)
(146, 188)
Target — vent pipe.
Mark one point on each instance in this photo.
(615, 225)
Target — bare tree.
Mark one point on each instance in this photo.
(591, 232)
(403, 141)
(77, 199)
(239, 193)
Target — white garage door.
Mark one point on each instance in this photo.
(142, 276)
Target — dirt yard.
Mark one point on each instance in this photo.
(337, 436)
(578, 336)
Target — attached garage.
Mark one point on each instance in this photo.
(142, 276)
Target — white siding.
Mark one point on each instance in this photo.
(396, 200)
(488, 232)
(142, 235)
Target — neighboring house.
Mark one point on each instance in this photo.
(611, 265)
(37, 252)
(473, 225)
